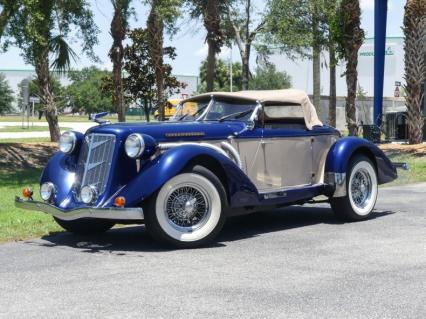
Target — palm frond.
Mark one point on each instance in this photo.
(63, 53)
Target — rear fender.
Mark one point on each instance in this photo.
(156, 172)
(340, 154)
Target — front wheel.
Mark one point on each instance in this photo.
(361, 191)
(85, 226)
(188, 211)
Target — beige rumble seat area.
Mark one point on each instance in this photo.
(284, 116)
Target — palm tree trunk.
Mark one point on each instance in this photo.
(316, 64)
(211, 61)
(316, 67)
(214, 39)
(415, 66)
(351, 82)
(333, 102)
(118, 34)
(156, 40)
(50, 110)
(354, 37)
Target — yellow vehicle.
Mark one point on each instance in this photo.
(169, 110)
(172, 106)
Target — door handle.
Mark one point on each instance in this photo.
(263, 142)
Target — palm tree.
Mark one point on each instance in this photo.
(211, 12)
(155, 28)
(352, 39)
(415, 66)
(119, 24)
(40, 29)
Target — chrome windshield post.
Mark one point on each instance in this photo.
(207, 108)
(251, 123)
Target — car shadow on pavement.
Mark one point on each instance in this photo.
(123, 240)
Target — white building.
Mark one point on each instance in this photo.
(15, 76)
(300, 70)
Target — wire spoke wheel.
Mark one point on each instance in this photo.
(187, 207)
(361, 189)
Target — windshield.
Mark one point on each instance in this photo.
(229, 110)
(189, 111)
(215, 111)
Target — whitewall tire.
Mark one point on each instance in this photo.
(188, 209)
(361, 191)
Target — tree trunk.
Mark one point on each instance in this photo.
(316, 67)
(211, 61)
(415, 67)
(118, 34)
(316, 63)
(214, 39)
(354, 37)
(50, 110)
(351, 82)
(155, 31)
(333, 102)
(146, 108)
(245, 59)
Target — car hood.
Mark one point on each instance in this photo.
(174, 131)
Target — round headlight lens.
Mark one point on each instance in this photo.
(88, 194)
(134, 146)
(47, 190)
(67, 142)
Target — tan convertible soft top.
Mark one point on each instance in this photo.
(292, 96)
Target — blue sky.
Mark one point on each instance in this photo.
(189, 41)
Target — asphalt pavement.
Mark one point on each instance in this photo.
(297, 262)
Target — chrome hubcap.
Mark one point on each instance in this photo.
(361, 188)
(187, 207)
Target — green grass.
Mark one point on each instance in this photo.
(71, 118)
(16, 224)
(416, 173)
(14, 129)
(24, 140)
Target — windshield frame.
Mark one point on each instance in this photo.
(254, 111)
(200, 118)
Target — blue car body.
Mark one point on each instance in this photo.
(138, 184)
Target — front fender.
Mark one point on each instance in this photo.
(154, 173)
(60, 170)
(341, 152)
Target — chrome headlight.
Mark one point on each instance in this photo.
(88, 194)
(134, 145)
(47, 191)
(67, 142)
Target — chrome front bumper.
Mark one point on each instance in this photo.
(87, 212)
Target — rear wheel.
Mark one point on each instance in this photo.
(188, 211)
(85, 226)
(361, 191)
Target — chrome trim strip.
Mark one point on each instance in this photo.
(117, 213)
(228, 147)
(287, 188)
(235, 156)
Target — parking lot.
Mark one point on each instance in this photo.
(297, 262)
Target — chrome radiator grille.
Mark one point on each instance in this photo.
(94, 162)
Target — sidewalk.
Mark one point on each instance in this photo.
(76, 126)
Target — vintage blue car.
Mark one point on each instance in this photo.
(238, 153)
